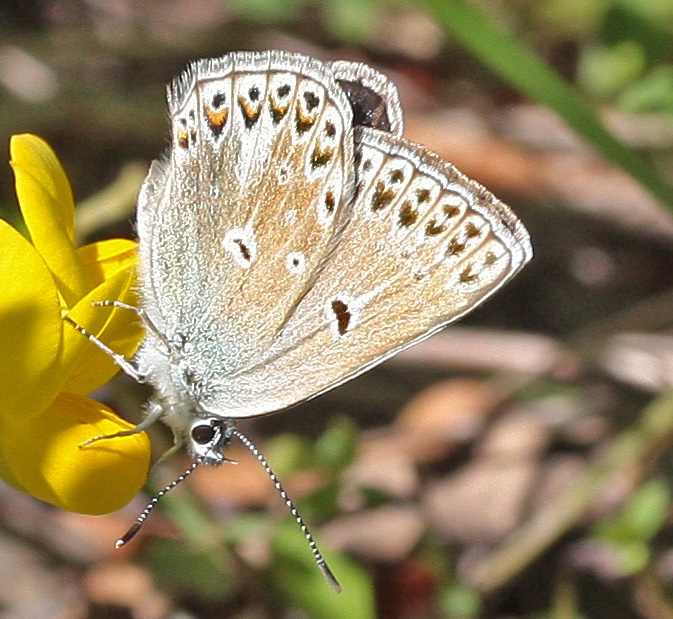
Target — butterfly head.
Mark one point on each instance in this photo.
(208, 437)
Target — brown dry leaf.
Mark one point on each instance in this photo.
(245, 483)
(32, 586)
(485, 501)
(464, 140)
(516, 436)
(119, 583)
(380, 464)
(427, 429)
(387, 533)
(490, 350)
(92, 538)
(557, 474)
(446, 413)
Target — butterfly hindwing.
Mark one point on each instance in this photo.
(372, 96)
(424, 246)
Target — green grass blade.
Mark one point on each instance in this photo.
(530, 75)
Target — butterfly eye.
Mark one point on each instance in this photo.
(203, 434)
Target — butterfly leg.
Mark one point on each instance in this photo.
(154, 413)
(166, 455)
(142, 314)
(120, 360)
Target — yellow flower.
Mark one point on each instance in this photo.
(46, 366)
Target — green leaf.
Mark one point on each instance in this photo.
(267, 11)
(184, 570)
(289, 453)
(297, 578)
(335, 449)
(632, 558)
(655, 11)
(350, 20)
(322, 503)
(460, 602)
(653, 91)
(646, 513)
(572, 18)
(641, 518)
(605, 71)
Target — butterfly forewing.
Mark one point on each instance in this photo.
(424, 245)
(257, 187)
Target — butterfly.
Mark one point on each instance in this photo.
(291, 239)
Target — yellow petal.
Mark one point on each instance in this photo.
(31, 370)
(103, 259)
(45, 456)
(47, 207)
(21, 464)
(120, 329)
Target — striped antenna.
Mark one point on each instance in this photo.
(130, 534)
(317, 555)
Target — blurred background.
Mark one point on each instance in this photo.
(515, 465)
